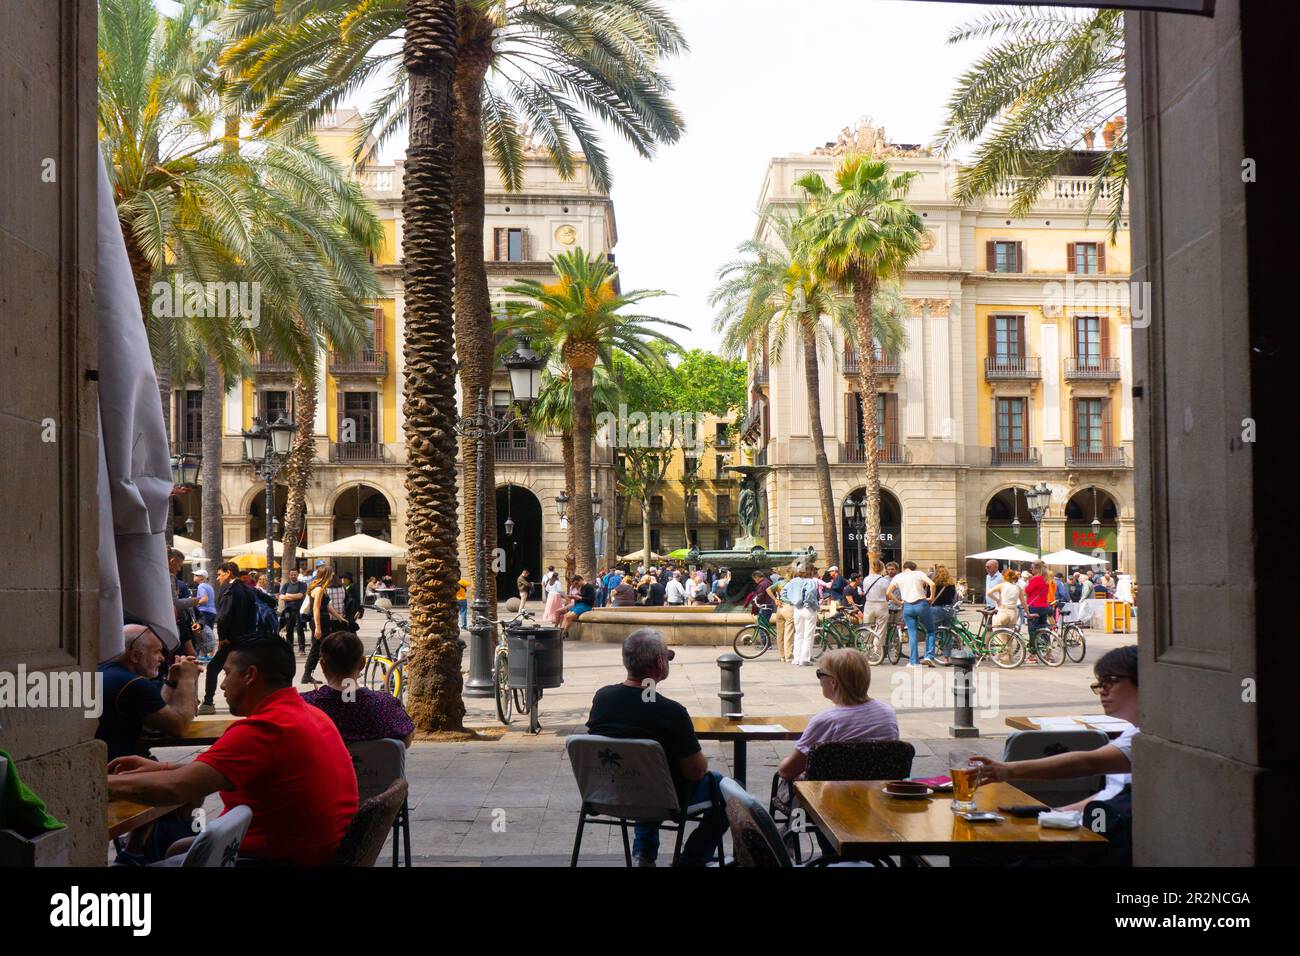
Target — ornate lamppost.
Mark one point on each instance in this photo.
(1039, 498)
(525, 368)
(267, 448)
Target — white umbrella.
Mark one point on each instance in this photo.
(187, 546)
(1068, 557)
(639, 555)
(358, 546)
(259, 547)
(1009, 553)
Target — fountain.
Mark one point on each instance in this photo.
(706, 623)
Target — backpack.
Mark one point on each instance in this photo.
(267, 621)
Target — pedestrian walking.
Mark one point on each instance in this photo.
(802, 594)
(525, 588)
(914, 588)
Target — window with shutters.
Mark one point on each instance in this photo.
(724, 539)
(724, 507)
(509, 244)
(275, 404)
(189, 424)
(1006, 257)
(1085, 258)
(690, 466)
(1087, 341)
(1089, 417)
(358, 408)
(657, 508)
(1008, 340)
(1013, 436)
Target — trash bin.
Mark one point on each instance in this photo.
(545, 647)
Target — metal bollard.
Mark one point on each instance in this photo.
(963, 693)
(730, 694)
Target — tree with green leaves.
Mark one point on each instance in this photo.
(687, 383)
(1054, 77)
(775, 294)
(581, 317)
(277, 226)
(861, 235)
(543, 71)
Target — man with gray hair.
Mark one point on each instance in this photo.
(636, 709)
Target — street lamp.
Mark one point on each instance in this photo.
(189, 526)
(860, 529)
(1039, 498)
(267, 447)
(525, 367)
(562, 509)
(595, 505)
(185, 470)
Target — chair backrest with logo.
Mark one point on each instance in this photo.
(626, 778)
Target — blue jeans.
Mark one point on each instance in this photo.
(917, 614)
(699, 846)
(463, 604)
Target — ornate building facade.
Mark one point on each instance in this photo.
(360, 466)
(1016, 370)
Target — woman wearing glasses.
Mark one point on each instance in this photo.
(1117, 685)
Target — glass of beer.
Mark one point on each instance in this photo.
(965, 775)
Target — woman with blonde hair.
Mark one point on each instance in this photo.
(1010, 597)
(943, 601)
(845, 678)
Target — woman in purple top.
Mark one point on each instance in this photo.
(845, 677)
(358, 712)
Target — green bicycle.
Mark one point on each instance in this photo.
(753, 640)
(884, 642)
(1001, 645)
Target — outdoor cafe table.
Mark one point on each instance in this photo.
(123, 816)
(729, 728)
(1024, 723)
(200, 733)
(862, 822)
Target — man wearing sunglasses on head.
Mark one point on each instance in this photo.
(1117, 685)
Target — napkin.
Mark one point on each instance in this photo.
(1060, 819)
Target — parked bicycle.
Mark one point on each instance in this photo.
(883, 642)
(833, 630)
(1001, 645)
(383, 667)
(508, 700)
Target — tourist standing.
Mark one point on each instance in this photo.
(803, 596)
(292, 592)
(992, 578)
(553, 589)
(1010, 597)
(207, 614)
(914, 588)
(875, 609)
(943, 601)
(674, 592)
(524, 587)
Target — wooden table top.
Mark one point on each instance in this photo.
(123, 816)
(727, 728)
(203, 730)
(1024, 723)
(862, 822)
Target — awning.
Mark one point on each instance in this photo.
(1068, 557)
(1004, 554)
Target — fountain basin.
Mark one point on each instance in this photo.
(698, 624)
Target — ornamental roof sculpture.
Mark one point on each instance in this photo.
(869, 140)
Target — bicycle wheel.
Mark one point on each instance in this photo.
(943, 641)
(1005, 648)
(534, 724)
(752, 641)
(894, 645)
(501, 678)
(396, 683)
(1049, 647)
(1076, 647)
(872, 643)
(376, 673)
(818, 644)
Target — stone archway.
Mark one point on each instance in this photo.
(853, 526)
(370, 506)
(1081, 534)
(522, 547)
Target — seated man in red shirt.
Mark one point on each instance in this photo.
(285, 760)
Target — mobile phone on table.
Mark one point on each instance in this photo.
(1025, 810)
(982, 816)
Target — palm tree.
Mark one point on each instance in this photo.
(279, 223)
(580, 317)
(1055, 77)
(525, 70)
(775, 292)
(861, 236)
(432, 562)
(553, 412)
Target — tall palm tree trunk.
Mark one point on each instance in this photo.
(297, 470)
(429, 52)
(863, 292)
(812, 379)
(210, 489)
(473, 306)
(570, 558)
(581, 361)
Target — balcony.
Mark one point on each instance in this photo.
(1094, 456)
(888, 365)
(268, 363)
(762, 376)
(519, 450)
(350, 452)
(889, 453)
(1063, 192)
(1011, 368)
(751, 424)
(188, 447)
(370, 363)
(1092, 368)
(1012, 457)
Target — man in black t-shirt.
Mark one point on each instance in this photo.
(133, 700)
(636, 708)
(294, 590)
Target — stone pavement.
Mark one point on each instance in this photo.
(513, 801)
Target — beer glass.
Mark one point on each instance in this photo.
(965, 779)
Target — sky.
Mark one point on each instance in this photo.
(767, 78)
